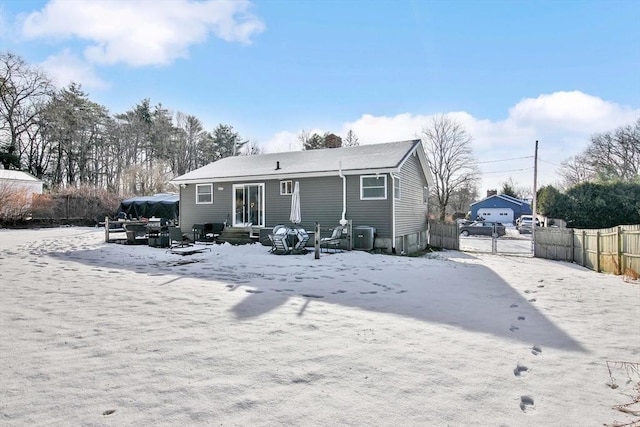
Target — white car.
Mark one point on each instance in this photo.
(527, 220)
(523, 224)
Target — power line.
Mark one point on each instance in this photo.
(510, 170)
(545, 161)
(506, 160)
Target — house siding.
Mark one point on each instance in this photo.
(320, 201)
(192, 213)
(411, 211)
(374, 213)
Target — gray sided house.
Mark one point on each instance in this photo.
(384, 186)
(500, 208)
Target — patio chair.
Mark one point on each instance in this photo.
(136, 233)
(278, 237)
(177, 239)
(301, 245)
(216, 229)
(333, 242)
(203, 233)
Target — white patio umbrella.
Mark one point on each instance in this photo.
(295, 205)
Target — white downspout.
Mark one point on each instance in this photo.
(393, 214)
(343, 220)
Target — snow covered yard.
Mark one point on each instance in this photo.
(104, 334)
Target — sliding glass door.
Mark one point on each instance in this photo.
(248, 205)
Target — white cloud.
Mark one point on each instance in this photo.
(143, 32)
(66, 68)
(287, 141)
(561, 121)
(282, 141)
(574, 111)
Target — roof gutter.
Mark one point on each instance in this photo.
(297, 175)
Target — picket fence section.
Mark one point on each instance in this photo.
(444, 235)
(610, 250)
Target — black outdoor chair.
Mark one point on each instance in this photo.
(207, 233)
(177, 239)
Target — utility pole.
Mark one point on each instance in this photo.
(535, 194)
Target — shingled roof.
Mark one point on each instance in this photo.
(370, 158)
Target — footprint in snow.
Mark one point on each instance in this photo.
(368, 292)
(520, 317)
(253, 291)
(312, 296)
(520, 370)
(526, 403)
(339, 291)
(514, 328)
(514, 305)
(536, 350)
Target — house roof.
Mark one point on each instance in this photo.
(17, 176)
(503, 197)
(362, 159)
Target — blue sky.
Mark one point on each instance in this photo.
(510, 71)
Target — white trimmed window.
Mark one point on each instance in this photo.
(204, 194)
(286, 188)
(396, 188)
(373, 187)
(425, 195)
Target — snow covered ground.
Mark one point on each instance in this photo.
(104, 334)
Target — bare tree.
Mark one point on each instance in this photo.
(576, 170)
(616, 155)
(610, 156)
(304, 137)
(511, 188)
(461, 199)
(252, 149)
(351, 140)
(23, 89)
(451, 160)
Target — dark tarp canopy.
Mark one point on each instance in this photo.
(159, 205)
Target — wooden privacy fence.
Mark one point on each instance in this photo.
(610, 250)
(444, 235)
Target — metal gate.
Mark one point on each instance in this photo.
(513, 243)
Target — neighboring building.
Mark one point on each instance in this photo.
(384, 186)
(500, 208)
(17, 181)
(16, 193)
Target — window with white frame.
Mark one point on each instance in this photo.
(425, 195)
(286, 188)
(204, 194)
(396, 187)
(373, 187)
